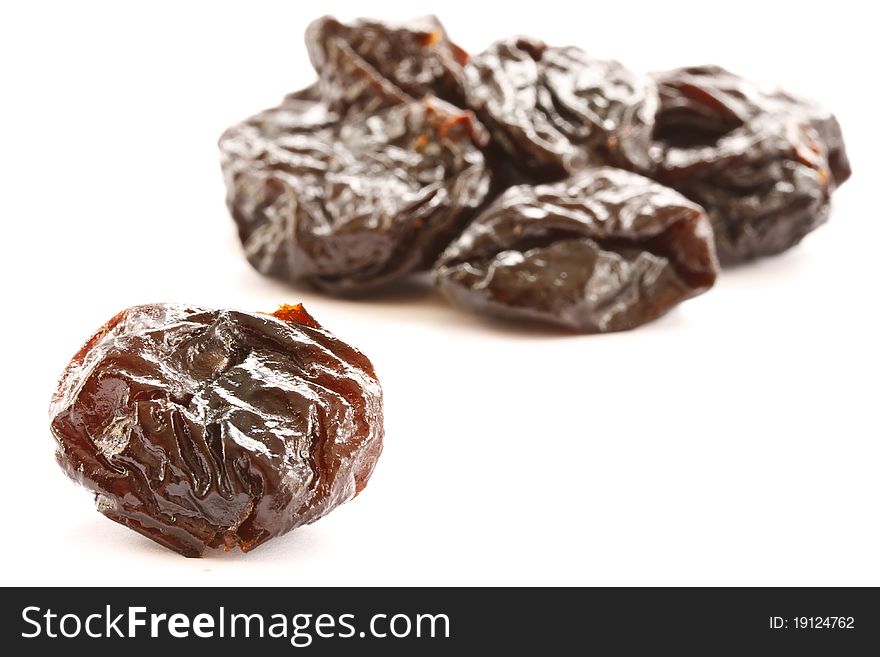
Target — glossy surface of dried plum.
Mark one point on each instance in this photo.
(763, 163)
(216, 428)
(348, 205)
(555, 110)
(605, 250)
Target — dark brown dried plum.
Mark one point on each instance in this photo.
(366, 63)
(763, 163)
(348, 205)
(216, 428)
(605, 250)
(555, 110)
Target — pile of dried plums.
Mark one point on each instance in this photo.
(535, 181)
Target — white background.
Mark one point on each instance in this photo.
(734, 442)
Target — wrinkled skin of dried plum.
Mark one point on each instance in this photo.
(216, 428)
(555, 110)
(368, 64)
(605, 250)
(350, 205)
(763, 163)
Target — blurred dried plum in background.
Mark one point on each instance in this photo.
(215, 428)
(354, 61)
(605, 250)
(351, 205)
(763, 163)
(555, 110)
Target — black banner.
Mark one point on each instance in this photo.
(278, 621)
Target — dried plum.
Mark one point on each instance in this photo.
(605, 250)
(216, 428)
(348, 205)
(555, 110)
(368, 64)
(763, 163)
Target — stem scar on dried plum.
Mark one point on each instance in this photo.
(555, 110)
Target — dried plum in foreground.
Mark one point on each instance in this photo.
(350, 205)
(216, 428)
(605, 250)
